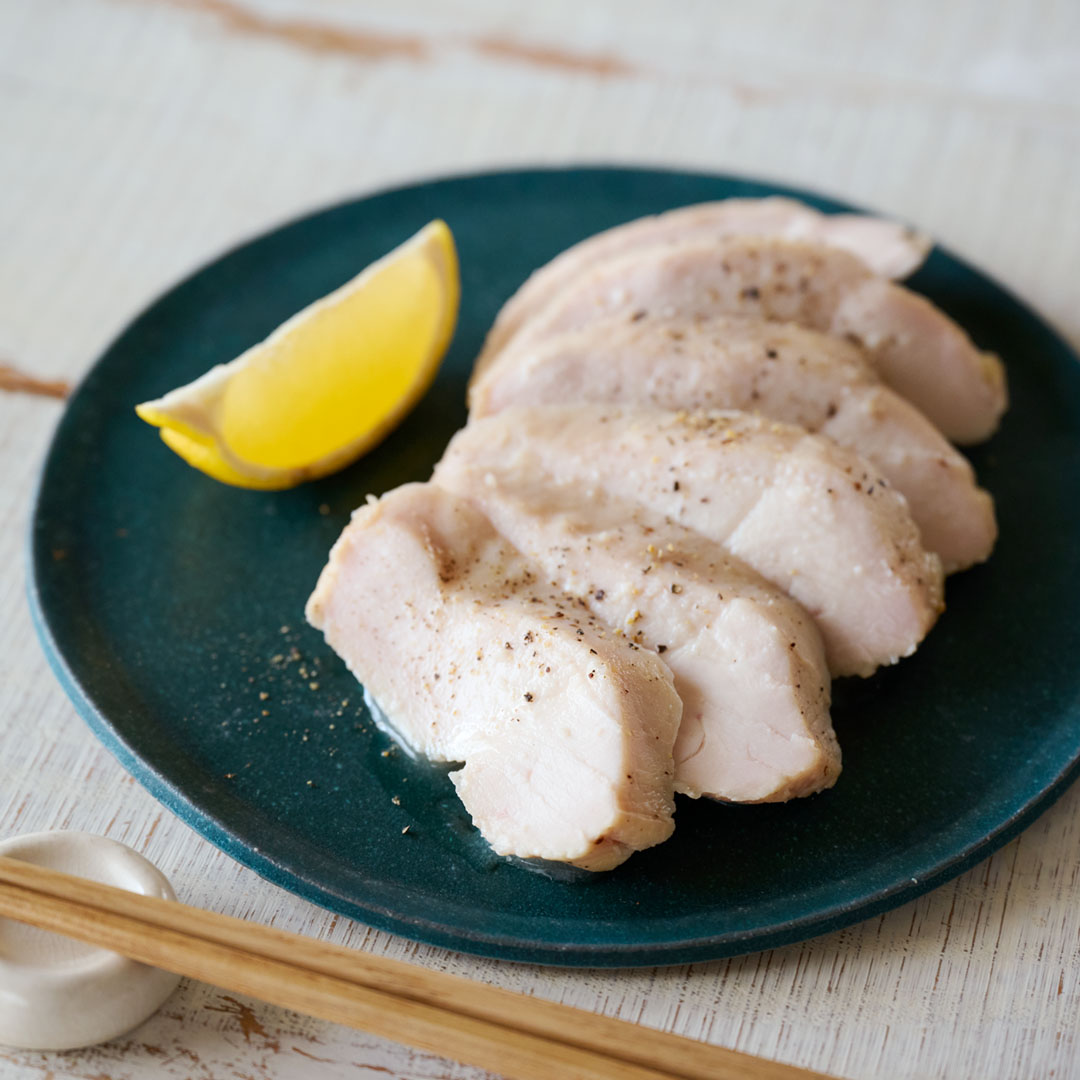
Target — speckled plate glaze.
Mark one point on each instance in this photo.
(169, 605)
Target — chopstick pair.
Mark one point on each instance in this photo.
(519, 1037)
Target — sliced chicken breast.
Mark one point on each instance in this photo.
(565, 730)
(749, 663)
(810, 516)
(886, 247)
(787, 373)
(915, 348)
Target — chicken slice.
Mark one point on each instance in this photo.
(749, 663)
(810, 516)
(787, 373)
(884, 246)
(915, 348)
(565, 731)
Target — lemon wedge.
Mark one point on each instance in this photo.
(327, 385)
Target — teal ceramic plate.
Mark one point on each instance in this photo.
(169, 605)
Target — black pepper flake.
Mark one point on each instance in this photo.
(676, 588)
(771, 354)
(528, 696)
(675, 486)
(751, 292)
(599, 594)
(661, 648)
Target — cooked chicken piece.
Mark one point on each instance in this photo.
(810, 516)
(749, 663)
(915, 348)
(566, 731)
(886, 247)
(782, 371)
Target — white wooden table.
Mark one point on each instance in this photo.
(138, 139)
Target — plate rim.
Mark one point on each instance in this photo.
(493, 945)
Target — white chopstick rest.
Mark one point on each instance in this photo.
(57, 993)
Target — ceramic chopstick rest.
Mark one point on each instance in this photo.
(57, 993)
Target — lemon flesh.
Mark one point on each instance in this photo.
(328, 384)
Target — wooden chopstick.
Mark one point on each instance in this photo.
(520, 1037)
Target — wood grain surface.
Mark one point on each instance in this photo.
(140, 137)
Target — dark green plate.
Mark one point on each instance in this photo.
(162, 599)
